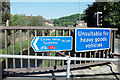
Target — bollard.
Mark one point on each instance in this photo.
(0, 69)
(68, 68)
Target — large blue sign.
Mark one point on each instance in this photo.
(40, 44)
(92, 39)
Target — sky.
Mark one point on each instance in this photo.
(49, 10)
(51, 0)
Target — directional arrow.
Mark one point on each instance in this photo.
(40, 44)
(35, 44)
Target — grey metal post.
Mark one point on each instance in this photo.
(68, 67)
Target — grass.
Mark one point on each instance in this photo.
(17, 47)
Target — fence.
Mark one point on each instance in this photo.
(68, 58)
(19, 35)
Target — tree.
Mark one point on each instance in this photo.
(0, 13)
(19, 20)
(36, 21)
(110, 10)
(67, 20)
(5, 12)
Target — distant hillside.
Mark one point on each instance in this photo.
(67, 20)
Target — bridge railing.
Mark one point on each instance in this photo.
(68, 58)
(22, 36)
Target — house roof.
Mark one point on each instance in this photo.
(49, 21)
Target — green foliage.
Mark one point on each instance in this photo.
(36, 21)
(3, 40)
(22, 20)
(46, 62)
(68, 20)
(53, 34)
(53, 61)
(0, 13)
(60, 33)
(19, 20)
(110, 10)
(5, 12)
(17, 47)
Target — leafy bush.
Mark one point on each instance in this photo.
(2, 40)
(36, 21)
(17, 47)
(19, 20)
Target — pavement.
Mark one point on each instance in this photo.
(117, 46)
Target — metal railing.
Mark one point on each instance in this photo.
(16, 36)
(68, 58)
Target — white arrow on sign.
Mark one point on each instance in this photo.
(35, 44)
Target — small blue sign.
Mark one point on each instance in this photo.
(92, 39)
(40, 44)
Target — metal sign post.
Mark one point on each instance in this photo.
(68, 67)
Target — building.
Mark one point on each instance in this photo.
(49, 22)
(80, 23)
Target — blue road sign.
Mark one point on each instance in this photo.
(92, 39)
(40, 44)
